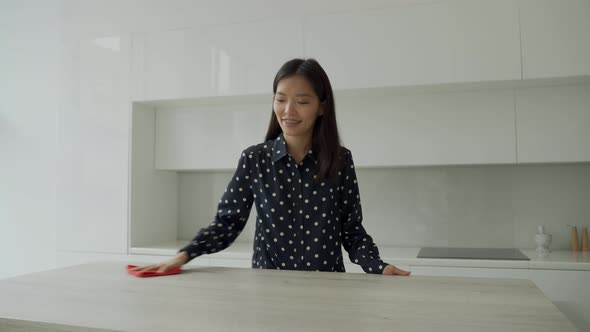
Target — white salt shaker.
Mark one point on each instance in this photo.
(543, 241)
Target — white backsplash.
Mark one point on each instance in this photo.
(463, 206)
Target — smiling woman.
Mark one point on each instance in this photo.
(303, 184)
(304, 103)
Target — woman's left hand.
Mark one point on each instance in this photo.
(392, 270)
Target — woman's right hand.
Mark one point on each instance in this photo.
(175, 262)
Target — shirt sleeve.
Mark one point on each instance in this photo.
(231, 217)
(359, 245)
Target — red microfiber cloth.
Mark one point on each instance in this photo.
(151, 273)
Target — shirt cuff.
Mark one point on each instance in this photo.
(193, 251)
(375, 266)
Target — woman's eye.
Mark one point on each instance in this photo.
(299, 102)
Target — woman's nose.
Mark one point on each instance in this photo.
(289, 108)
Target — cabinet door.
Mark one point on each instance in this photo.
(555, 38)
(430, 129)
(93, 148)
(553, 124)
(414, 44)
(211, 61)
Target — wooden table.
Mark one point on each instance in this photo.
(102, 295)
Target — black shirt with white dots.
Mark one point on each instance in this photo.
(301, 223)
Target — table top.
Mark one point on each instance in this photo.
(102, 295)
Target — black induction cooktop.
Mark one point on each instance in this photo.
(473, 253)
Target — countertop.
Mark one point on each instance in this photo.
(102, 295)
(556, 260)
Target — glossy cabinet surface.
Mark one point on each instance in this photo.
(93, 148)
(553, 124)
(554, 36)
(414, 44)
(234, 59)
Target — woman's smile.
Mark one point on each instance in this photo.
(290, 123)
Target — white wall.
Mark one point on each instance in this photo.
(30, 67)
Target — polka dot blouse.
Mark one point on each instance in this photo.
(302, 224)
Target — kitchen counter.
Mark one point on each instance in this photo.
(102, 295)
(556, 260)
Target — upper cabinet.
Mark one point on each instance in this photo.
(430, 129)
(553, 124)
(405, 44)
(235, 59)
(414, 44)
(555, 38)
(368, 55)
(382, 130)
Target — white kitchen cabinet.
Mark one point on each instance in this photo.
(93, 148)
(232, 59)
(421, 43)
(429, 129)
(553, 124)
(469, 127)
(555, 38)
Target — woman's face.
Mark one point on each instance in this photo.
(296, 106)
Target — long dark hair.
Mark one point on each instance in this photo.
(325, 137)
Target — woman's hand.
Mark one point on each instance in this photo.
(175, 262)
(392, 270)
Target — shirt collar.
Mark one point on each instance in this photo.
(279, 149)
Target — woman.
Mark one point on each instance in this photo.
(303, 184)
